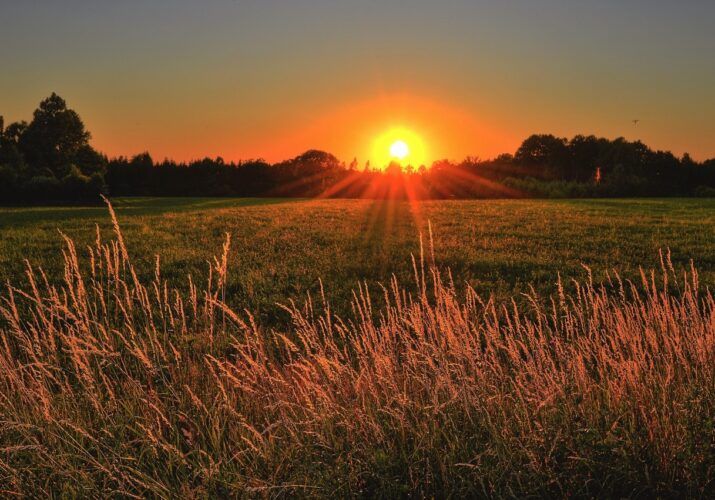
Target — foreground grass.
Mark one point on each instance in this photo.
(281, 248)
(113, 384)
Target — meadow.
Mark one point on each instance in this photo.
(358, 348)
(282, 248)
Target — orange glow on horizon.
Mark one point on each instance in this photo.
(366, 130)
(359, 127)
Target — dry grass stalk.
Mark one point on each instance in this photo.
(112, 386)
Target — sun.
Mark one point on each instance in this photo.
(399, 149)
(398, 144)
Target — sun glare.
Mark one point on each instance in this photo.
(399, 149)
(399, 145)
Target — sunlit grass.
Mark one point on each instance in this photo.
(113, 382)
(282, 247)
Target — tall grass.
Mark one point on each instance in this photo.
(110, 386)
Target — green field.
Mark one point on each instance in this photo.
(281, 248)
(120, 382)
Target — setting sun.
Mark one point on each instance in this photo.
(399, 144)
(399, 149)
(335, 248)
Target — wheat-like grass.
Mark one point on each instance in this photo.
(114, 387)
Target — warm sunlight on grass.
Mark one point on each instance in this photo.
(115, 382)
(402, 145)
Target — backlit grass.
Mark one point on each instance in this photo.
(116, 382)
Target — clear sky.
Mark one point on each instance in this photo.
(272, 78)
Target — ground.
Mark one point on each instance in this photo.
(109, 388)
(282, 248)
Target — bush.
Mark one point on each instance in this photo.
(705, 192)
(43, 187)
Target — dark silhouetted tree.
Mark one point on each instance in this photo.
(546, 151)
(54, 138)
(51, 160)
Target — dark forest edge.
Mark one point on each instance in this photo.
(50, 160)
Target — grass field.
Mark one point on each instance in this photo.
(281, 248)
(121, 378)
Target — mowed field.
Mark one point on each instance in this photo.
(280, 249)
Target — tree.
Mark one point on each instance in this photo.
(14, 132)
(89, 161)
(316, 159)
(53, 139)
(10, 156)
(545, 151)
(142, 160)
(585, 153)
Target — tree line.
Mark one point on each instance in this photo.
(50, 160)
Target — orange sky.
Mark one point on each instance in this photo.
(365, 129)
(270, 79)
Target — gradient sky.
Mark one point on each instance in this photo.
(272, 78)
